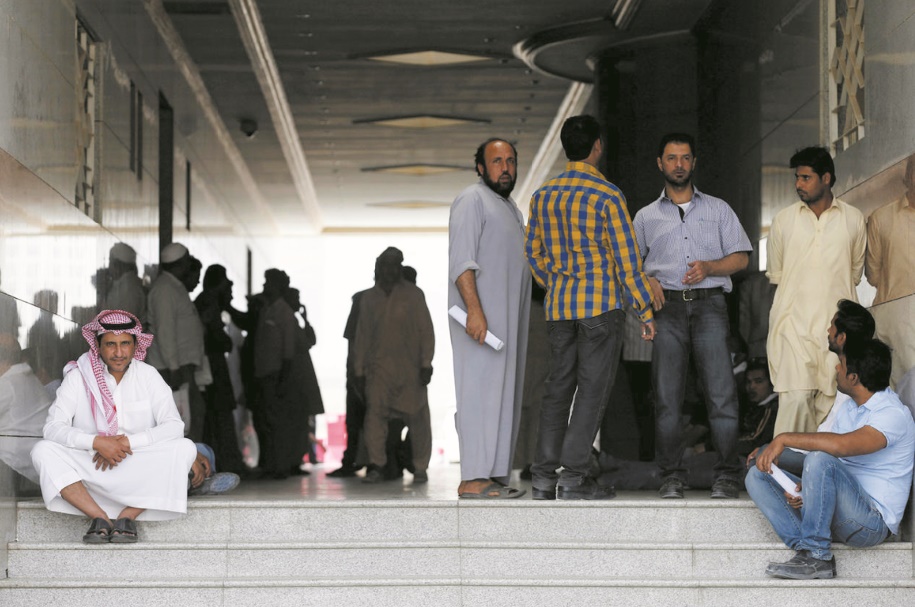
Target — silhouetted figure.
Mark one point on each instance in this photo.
(305, 394)
(9, 315)
(45, 346)
(355, 404)
(274, 351)
(125, 288)
(393, 364)
(219, 426)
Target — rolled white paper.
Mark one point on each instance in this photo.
(782, 479)
(461, 316)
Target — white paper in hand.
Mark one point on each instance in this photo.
(782, 479)
(461, 317)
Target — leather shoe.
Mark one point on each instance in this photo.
(587, 490)
(543, 494)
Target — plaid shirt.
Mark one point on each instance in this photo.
(582, 248)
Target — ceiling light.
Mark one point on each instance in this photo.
(426, 121)
(417, 169)
(428, 58)
(410, 204)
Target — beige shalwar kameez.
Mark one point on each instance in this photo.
(814, 262)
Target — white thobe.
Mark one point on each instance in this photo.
(154, 477)
(174, 321)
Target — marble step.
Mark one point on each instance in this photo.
(453, 593)
(469, 561)
(521, 521)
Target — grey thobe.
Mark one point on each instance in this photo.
(486, 234)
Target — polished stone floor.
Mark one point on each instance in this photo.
(442, 486)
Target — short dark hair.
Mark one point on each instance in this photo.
(214, 276)
(480, 156)
(854, 321)
(818, 159)
(578, 136)
(872, 360)
(677, 138)
(277, 277)
(759, 364)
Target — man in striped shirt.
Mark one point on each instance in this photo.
(691, 243)
(582, 250)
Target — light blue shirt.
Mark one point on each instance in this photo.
(886, 475)
(708, 231)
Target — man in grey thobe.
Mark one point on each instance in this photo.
(490, 279)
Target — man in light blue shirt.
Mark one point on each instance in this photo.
(859, 474)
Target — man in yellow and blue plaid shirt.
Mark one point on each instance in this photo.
(582, 250)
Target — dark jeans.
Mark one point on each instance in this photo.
(697, 328)
(584, 354)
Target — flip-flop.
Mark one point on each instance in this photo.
(124, 532)
(494, 491)
(99, 532)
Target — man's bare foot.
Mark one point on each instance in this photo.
(476, 486)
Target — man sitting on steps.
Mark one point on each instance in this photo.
(856, 478)
(114, 445)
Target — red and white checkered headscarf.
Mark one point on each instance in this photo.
(117, 322)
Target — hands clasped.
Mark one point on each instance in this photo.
(110, 451)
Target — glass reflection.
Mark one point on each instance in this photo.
(24, 403)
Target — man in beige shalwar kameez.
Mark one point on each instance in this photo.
(815, 257)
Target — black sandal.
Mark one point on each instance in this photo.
(99, 532)
(124, 532)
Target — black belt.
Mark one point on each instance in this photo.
(692, 294)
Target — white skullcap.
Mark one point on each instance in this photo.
(172, 252)
(123, 252)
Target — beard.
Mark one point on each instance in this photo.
(678, 181)
(499, 187)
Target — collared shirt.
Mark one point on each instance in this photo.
(886, 475)
(708, 231)
(815, 262)
(582, 249)
(891, 250)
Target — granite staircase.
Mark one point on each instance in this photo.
(635, 550)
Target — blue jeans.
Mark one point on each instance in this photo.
(789, 461)
(835, 507)
(697, 329)
(207, 451)
(584, 354)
